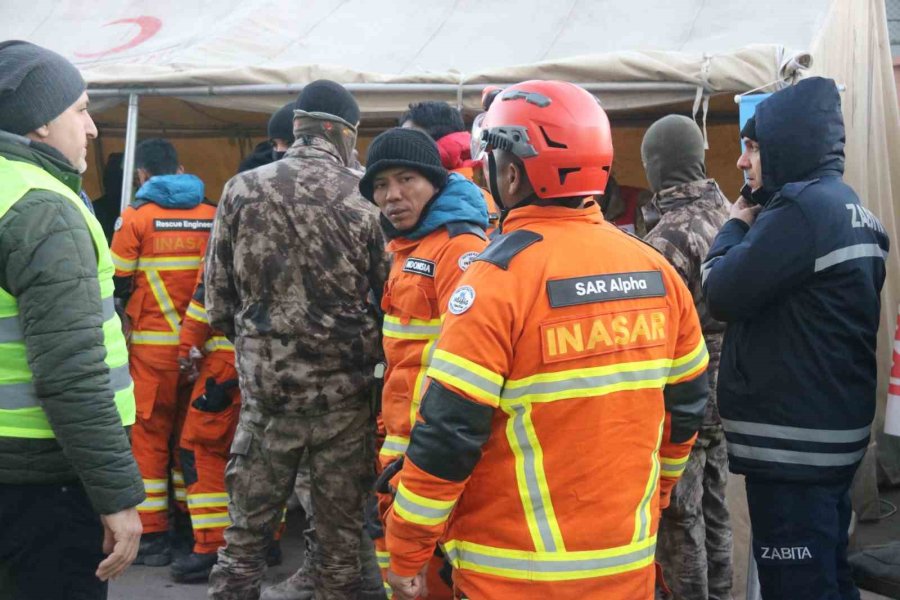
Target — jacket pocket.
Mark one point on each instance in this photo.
(145, 393)
(214, 429)
(413, 301)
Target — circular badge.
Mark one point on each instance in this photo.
(118, 224)
(461, 300)
(466, 259)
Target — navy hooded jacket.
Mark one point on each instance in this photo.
(800, 292)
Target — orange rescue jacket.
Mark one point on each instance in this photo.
(160, 247)
(423, 275)
(566, 390)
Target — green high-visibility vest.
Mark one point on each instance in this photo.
(21, 416)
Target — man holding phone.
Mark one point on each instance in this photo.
(796, 274)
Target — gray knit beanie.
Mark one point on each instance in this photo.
(36, 86)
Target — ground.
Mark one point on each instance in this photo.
(140, 583)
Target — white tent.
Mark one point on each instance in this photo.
(208, 72)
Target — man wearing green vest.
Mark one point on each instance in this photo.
(68, 482)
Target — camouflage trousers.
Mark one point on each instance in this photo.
(694, 542)
(259, 478)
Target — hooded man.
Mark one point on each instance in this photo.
(796, 274)
(156, 248)
(694, 544)
(294, 255)
(68, 482)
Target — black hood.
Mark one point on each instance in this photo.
(800, 131)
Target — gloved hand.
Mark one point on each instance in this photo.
(216, 399)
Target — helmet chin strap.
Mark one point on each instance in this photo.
(494, 189)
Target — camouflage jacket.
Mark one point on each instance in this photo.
(294, 253)
(691, 215)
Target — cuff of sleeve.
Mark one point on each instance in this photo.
(407, 556)
(742, 225)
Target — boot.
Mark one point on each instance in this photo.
(155, 550)
(878, 569)
(193, 567)
(300, 585)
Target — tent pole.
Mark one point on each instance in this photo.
(130, 143)
(387, 88)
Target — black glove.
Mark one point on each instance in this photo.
(216, 399)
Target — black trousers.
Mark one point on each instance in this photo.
(51, 542)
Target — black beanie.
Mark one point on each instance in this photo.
(330, 97)
(400, 147)
(749, 130)
(281, 124)
(36, 86)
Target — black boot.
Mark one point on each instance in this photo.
(155, 550)
(193, 567)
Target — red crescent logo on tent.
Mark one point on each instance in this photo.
(150, 26)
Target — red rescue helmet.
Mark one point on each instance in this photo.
(558, 130)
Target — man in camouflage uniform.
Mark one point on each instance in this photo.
(295, 250)
(694, 540)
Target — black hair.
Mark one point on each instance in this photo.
(156, 156)
(436, 118)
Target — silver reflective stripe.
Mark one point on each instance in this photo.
(795, 457)
(14, 396)
(706, 267)
(429, 330)
(395, 444)
(800, 434)
(849, 253)
(535, 564)
(420, 510)
(676, 372)
(11, 327)
(531, 477)
(469, 377)
(11, 330)
(585, 382)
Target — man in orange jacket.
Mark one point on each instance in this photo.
(436, 225)
(156, 249)
(567, 385)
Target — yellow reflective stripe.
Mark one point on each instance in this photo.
(419, 509)
(673, 467)
(155, 338)
(585, 383)
(218, 342)
(384, 558)
(690, 364)
(158, 287)
(123, 264)
(421, 378)
(415, 329)
(642, 516)
(213, 500)
(394, 445)
(177, 477)
(550, 566)
(387, 589)
(154, 504)
(210, 520)
(158, 486)
(531, 479)
(168, 263)
(197, 312)
(466, 375)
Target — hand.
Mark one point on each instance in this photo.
(743, 211)
(121, 539)
(409, 588)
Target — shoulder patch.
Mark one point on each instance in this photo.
(460, 228)
(466, 259)
(505, 247)
(461, 300)
(419, 266)
(118, 224)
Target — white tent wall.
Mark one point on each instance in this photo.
(854, 48)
